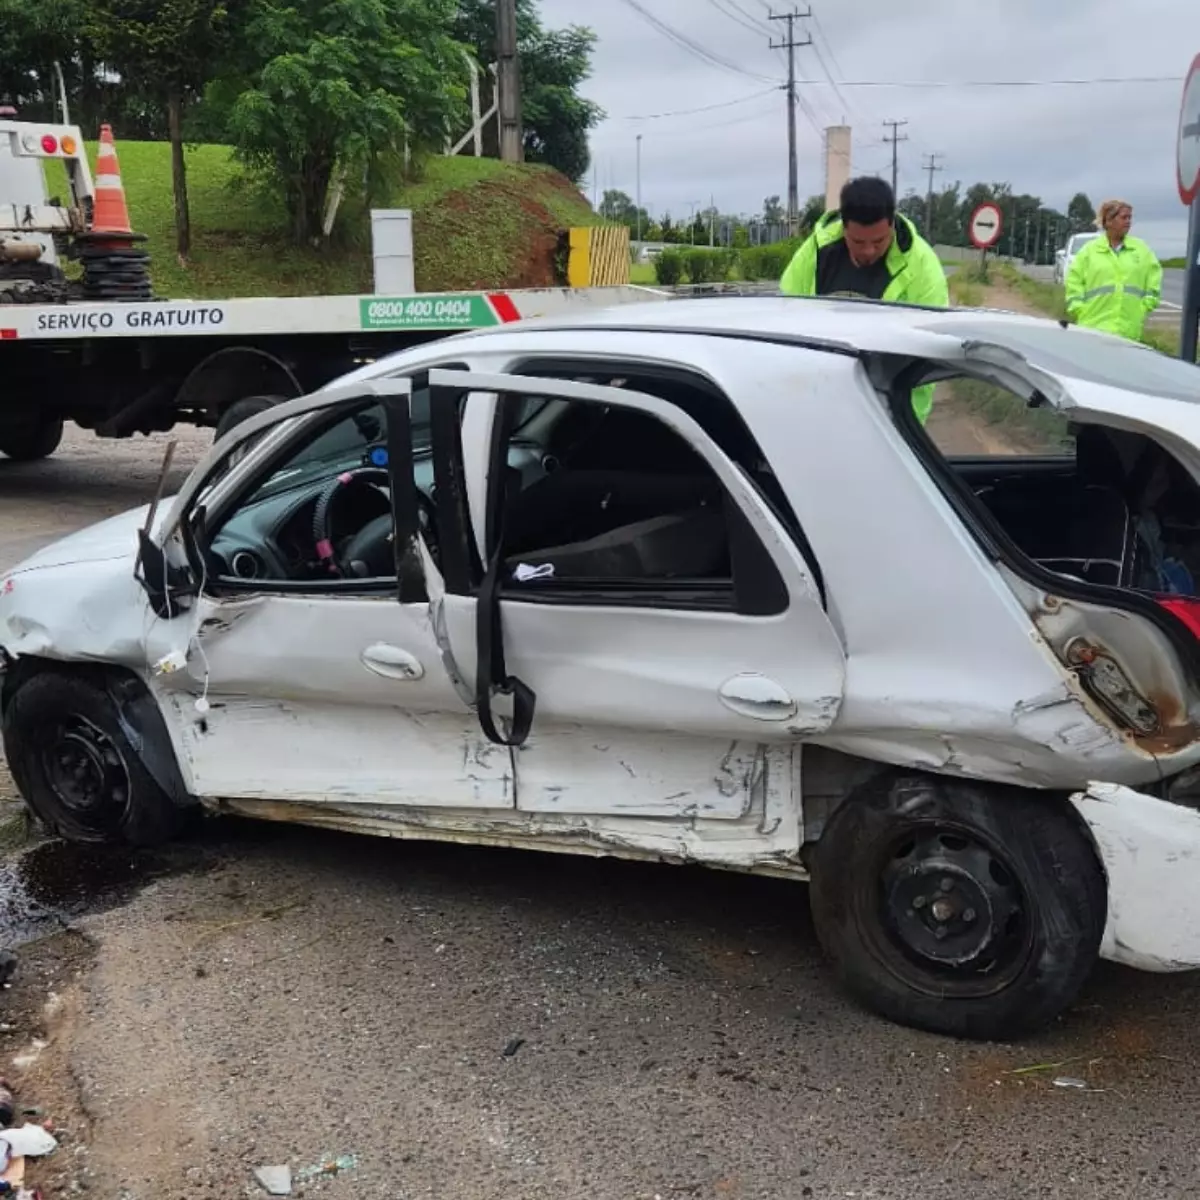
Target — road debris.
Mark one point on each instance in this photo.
(275, 1181)
(513, 1046)
(330, 1164)
(1070, 1081)
(27, 1141)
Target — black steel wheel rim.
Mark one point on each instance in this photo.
(951, 917)
(87, 773)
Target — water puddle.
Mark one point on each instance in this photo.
(44, 888)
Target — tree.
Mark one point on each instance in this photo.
(168, 49)
(913, 207)
(33, 38)
(617, 206)
(554, 65)
(811, 213)
(773, 211)
(1080, 213)
(343, 85)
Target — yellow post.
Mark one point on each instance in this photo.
(579, 261)
(599, 256)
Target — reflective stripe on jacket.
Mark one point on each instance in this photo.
(1114, 291)
(917, 276)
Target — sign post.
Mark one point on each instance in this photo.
(984, 229)
(1188, 175)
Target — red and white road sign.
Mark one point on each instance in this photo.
(1188, 150)
(985, 226)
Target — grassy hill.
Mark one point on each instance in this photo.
(477, 223)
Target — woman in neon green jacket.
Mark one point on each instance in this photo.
(1115, 281)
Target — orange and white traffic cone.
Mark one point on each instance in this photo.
(114, 268)
(110, 213)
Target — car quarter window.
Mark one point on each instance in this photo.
(607, 504)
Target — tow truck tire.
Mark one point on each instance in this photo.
(959, 908)
(27, 441)
(242, 410)
(75, 766)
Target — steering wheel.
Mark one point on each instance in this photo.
(327, 503)
(369, 553)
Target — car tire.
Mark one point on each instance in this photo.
(28, 441)
(1010, 878)
(242, 410)
(77, 769)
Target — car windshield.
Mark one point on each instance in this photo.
(1113, 362)
(1078, 242)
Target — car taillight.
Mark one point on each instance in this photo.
(1185, 608)
(50, 144)
(69, 145)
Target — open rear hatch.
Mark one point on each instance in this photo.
(1099, 535)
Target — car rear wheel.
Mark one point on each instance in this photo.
(75, 766)
(956, 907)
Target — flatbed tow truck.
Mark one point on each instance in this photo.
(121, 367)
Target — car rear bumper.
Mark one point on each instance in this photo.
(1150, 849)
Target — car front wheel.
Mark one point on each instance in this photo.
(956, 907)
(75, 765)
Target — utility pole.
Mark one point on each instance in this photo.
(508, 82)
(895, 139)
(1027, 224)
(930, 166)
(639, 191)
(791, 45)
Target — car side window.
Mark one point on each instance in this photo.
(319, 514)
(606, 504)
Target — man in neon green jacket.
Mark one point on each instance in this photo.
(1115, 281)
(866, 250)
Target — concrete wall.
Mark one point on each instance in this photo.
(837, 163)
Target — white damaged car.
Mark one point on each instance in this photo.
(683, 582)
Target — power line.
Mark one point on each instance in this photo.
(692, 47)
(791, 45)
(750, 16)
(687, 112)
(828, 43)
(1002, 83)
(829, 75)
(738, 17)
(895, 139)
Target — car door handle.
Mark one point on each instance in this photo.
(757, 697)
(392, 663)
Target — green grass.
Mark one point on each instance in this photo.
(1040, 430)
(642, 273)
(1174, 264)
(1045, 297)
(477, 223)
(965, 293)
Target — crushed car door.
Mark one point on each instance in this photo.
(312, 670)
(658, 654)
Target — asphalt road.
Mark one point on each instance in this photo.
(1172, 289)
(282, 995)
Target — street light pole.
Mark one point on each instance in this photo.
(639, 191)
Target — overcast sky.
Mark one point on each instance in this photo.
(1050, 141)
